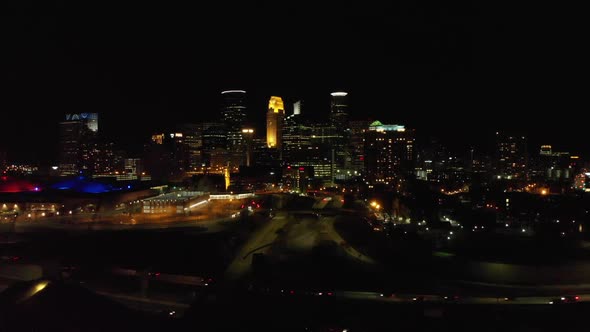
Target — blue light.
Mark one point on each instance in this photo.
(83, 185)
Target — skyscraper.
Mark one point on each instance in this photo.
(512, 155)
(78, 139)
(339, 121)
(389, 152)
(297, 106)
(233, 115)
(339, 110)
(357, 144)
(274, 122)
(193, 139)
(296, 136)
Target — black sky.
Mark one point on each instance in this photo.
(423, 64)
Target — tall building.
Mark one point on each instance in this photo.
(193, 139)
(552, 165)
(233, 115)
(157, 157)
(296, 136)
(214, 141)
(339, 120)
(389, 153)
(78, 139)
(248, 134)
(339, 110)
(512, 156)
(274, 122)
(297, 107)
(357, 144)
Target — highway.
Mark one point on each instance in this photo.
(258, 242)
(293, 232)
(212, 217)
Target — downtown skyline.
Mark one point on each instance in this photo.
(129, 131)
(458, 73)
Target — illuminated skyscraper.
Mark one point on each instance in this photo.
(274, 122)
(512, 156)
(78, 136)
(339, 121)
(339, 110)
(297, 106)
(233, 115)
(389, 152)
(357, 144)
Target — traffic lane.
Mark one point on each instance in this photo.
(258, 242)
(444, 299)
(351, 251)
(301, 233)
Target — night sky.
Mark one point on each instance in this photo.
(416, 63)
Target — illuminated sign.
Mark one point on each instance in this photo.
(81, 116)
(90, 119)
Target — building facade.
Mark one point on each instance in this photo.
(233, 115)
(512, 156)
(78, 143)
(389, 153)
(274, 122)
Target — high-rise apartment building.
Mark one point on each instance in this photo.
(389, 152)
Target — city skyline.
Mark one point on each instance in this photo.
(292, 166)
(471, 70)
(115, 127)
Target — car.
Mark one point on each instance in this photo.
(450, 298)
(565, 299)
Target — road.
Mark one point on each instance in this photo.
(259, 242)
(293, 232)
(351, 251)
(210, 216)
